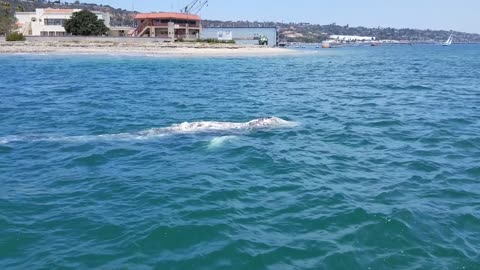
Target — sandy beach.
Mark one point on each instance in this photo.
(129, 48)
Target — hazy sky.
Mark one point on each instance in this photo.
(462, 15)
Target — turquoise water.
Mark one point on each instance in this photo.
(373, 162)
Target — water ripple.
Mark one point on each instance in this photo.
(130, 170)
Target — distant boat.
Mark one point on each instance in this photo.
(449, 41)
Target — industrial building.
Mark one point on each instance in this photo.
(49, 21)
(242, 35)
(168, 25)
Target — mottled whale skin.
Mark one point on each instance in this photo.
(206, 126)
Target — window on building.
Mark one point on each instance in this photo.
(54, 21)
(185, 22)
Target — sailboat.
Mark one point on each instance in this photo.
(449, 41)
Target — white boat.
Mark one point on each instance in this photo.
(449, 41)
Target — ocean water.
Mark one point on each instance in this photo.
(353, 158)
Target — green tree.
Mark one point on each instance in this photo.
(7, 20)
(85, 23)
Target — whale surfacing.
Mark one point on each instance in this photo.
(212, 126)
(183, 128)
(269, 122)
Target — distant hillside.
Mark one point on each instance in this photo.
(290, 32)
(306, 32)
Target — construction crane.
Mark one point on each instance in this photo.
(195, 6)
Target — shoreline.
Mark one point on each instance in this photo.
(141, 49)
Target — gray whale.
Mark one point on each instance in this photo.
(183, 128)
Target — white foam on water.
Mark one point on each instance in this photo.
(183, 128)
(218, 142)
(9, 139)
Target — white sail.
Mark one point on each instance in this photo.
(449, 41)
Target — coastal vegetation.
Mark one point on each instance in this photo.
(14, 36)
(85, 23)
(7, 20)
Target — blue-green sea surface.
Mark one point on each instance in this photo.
(371, 162)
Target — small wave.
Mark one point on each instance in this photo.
(409, 87)
(386, 123)
(183, 128)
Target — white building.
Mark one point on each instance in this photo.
(341, 38)
(49, 21)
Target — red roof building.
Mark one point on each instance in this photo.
(167, 15)
(168, 25)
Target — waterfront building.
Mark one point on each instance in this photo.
(242, 35)
(49, 21)
(168, 25)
